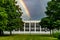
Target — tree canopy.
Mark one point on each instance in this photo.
(53, 15)
(10, 15)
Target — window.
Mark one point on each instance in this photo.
(32, 29)
(37, 25)
(45, 29)
(27, 25)
(27, 29)
(32, 25)
(37, 29)
(22, 29)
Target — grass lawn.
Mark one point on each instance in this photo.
(27, 37)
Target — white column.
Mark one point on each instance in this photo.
(35, 26)
(30, 27)
(24, 27)
(40, 28)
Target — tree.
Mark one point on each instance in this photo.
(3, 20)
(57, 24)
(53, 12)
(15, 20)
(14, 14)
(47, 22)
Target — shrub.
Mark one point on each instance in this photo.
(56, 34)
(59, 37)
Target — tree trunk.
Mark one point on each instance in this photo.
(1, 32)
(10, 32)
(50, 32)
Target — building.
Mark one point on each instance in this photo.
(31, 26)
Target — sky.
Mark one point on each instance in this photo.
(36, 9)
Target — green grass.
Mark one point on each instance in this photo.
(27, 37)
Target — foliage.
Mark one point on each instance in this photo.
(10, 15)
(3, 18)
(53, 15)
(56, 24)
(56, 34)
(59, 37)
(47, 22)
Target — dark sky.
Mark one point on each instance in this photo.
(36, 8)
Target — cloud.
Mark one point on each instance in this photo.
(36, 9)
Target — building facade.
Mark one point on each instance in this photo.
(31, 26)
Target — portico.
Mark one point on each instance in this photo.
(32, 26)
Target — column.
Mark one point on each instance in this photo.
(35, 26)
(29, 26)
(40, 28)
(24, 27)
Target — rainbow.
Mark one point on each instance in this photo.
(25, 7)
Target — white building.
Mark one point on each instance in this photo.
(31, 26)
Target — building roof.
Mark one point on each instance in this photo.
(32, 21)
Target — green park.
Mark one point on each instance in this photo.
(10, 19)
